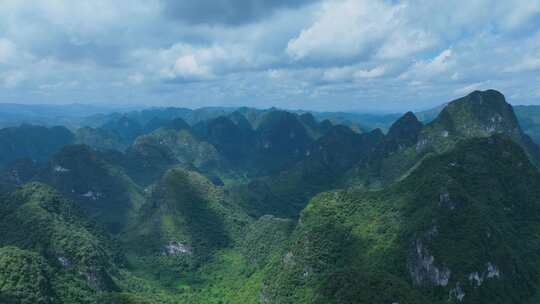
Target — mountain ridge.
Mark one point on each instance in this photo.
(269, 206)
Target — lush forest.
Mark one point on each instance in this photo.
(243, 205)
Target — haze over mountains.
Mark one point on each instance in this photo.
(240, 205)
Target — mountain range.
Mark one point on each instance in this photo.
(241, 205)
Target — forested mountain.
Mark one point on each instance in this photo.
(452, 231)
(34, 142)
(239, 205)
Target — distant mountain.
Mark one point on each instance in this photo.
(132, 124)
(153, 154)
(529, 119)
(151, 116)
(320, 168)
(427, 116)
(262, 142)
(359, 121)
(298, 160)
(479, 114)
(100, 187)
(127, 128)
(315, 128)
(47, 110)
(403, 133)
(35, 142)
(100, 139)
(231, 135)
(281, 139)
(69, 115)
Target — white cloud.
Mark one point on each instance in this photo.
(343, 29)
(58, 85)
(338, 74)
(12, 79)
(405, 42)
(472, 87)
(276, 74)
(7, 51)
(185, 62)
(428, 69)
(361, 50)
(527, 64)
(187, 67)
(351, 73)
(136, 78)
(194, 63)
(452, 19)
(373, 73)
(520, 13)
(360, 28)
(79, 19)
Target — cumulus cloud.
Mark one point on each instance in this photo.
(46, 87)
(406, 42)
(428, 69)
(472, 87)
(360, 28)
(520, 14)
(357, 53)
(373, 73)
(344, 29)
(7, 51)
(187, 67)
(136, 78)
(11, 79)
(527, 64)
(77, 31)
(351, 73)
(186, 62)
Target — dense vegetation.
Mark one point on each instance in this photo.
(32, 141)
(464, 223)
(50, 253)
(222, 205)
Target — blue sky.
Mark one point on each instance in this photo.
(351, 55)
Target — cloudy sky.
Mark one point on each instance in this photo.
(363, 55)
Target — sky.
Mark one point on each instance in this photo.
(331, 55)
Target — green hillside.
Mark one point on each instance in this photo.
(235, 206)
(50, 253)
(463, 227)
